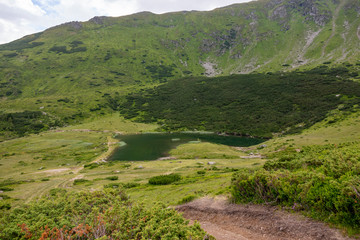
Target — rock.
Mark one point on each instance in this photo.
(74, 24)
(167, 158)
(98, 20)
(140, 167)
(1, 191)
(236, 56)
(279, 12)
(210, 68)
(211, 163)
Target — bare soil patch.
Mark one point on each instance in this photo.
(226, 221)
(54, 171)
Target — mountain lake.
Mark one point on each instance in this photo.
(152, 146)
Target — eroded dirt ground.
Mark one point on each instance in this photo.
(227, 221)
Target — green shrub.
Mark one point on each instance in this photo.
(6, 189)
(201, 172)
(324, 181)
(112, 178)
(187, 199)
(91, 165)
(112, 185)
(4, 197)
(164, 179)
(19, 124)
(4, 206)
(123, 185)
(106, 214)
(80, 181)
(131, 185)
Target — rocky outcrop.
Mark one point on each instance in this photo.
(279, 12)
(310, 9)
(98, 20)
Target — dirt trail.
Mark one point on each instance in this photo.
(227, 221)
(112, 145)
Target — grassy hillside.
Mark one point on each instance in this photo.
(81, 69)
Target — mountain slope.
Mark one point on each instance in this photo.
(260, 35)
(80, 68)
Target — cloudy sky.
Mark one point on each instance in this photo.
(22, 17)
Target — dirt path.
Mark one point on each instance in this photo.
(227, 221)
(112, 145)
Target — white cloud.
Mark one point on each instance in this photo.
(22, 17)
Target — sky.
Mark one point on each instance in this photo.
(22, 17)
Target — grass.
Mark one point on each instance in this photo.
(59, 156)
(38, 163)
(205, 150)
(113, 123)
(344, 130)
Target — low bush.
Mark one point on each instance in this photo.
(80, 181)
(106, 214)
(164, 179)
(112, 178)
(123, 185)
(324, 181)
(92, 165)
(6, 189)
(131, 185)
(187, 199)
(113, 185)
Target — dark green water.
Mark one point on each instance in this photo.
(153, 146)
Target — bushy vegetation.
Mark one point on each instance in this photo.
(112, 178)
(164, 179)
(106, 214)
(323, 181)
(187, 199)
(21, 123)
(80, 181)
(23, 43)
(253, 104)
